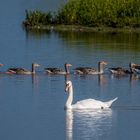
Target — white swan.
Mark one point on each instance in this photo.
(84, 104)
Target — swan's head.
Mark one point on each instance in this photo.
(68, 85)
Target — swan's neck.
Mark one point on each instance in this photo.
(100, 68)
(70, 98)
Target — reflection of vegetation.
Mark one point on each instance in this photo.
(37, 33)
(95, 13)
(111, 41)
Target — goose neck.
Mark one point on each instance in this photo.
(100, 68)
(33, 69)
(66, 69)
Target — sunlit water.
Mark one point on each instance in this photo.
(32, 107)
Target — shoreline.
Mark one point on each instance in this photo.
(78, 28)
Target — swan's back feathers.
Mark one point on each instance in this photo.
(92, 104)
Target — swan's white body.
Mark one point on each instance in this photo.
(84, 104)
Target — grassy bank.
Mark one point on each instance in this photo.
(82, 14)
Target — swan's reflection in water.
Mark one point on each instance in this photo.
(69, 124)
(88, 124)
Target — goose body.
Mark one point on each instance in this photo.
(90, 70)
(119, 71)
(84, 104)
(22, 70)
(58, 70)
(85, 70)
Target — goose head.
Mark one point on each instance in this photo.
(103, 62)
(101, 65)
(132, 65)
(68, 65)
(35, 65)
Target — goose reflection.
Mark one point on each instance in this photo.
(134, 81)
(102, 80)
(35, 80)
(88, 123)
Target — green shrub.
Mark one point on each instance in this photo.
(38, 18)
(114, 13)
(110, 13)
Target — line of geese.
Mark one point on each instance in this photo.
(133, 69)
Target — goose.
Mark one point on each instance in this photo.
(90, 70)
(58, 70)
(22, 70)
(84, 104)
(121, 71)
(135, 68)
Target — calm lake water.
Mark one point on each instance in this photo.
(32, 108)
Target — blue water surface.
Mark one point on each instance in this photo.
(32, 107)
